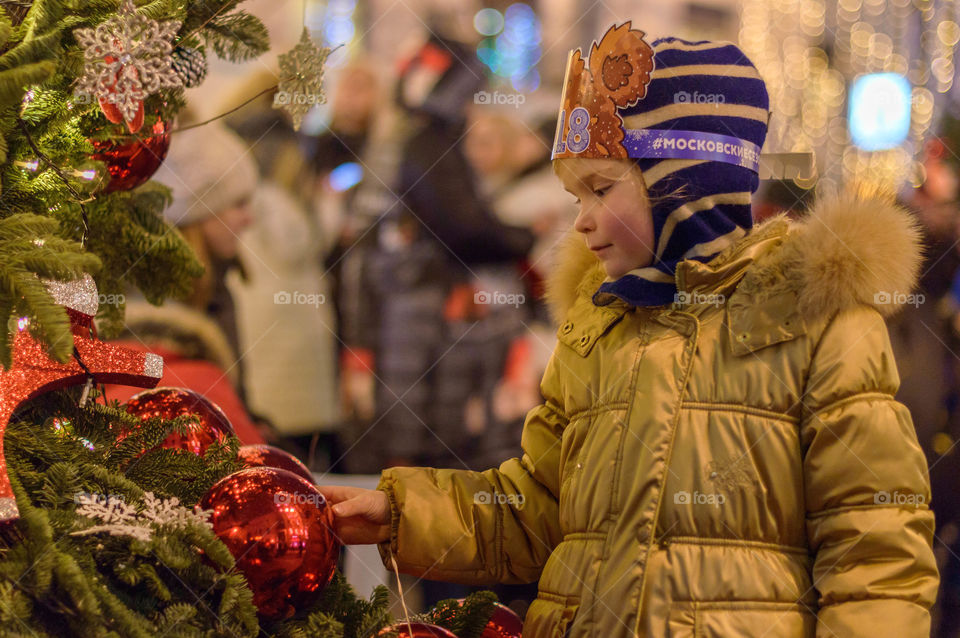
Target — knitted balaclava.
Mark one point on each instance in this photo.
(693, 116)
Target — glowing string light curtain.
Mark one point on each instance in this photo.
(811, 52)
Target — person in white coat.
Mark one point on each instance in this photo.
(285, 313)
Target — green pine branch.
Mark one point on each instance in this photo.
(237, 37)
(127, 242)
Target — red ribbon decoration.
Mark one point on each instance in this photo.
(33, 372)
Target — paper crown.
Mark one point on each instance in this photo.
(621, 66)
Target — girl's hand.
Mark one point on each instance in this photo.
(361, 517)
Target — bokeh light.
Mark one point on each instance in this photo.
(880, 111)
(512, 48)
(488, 22)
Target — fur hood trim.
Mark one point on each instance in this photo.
(575, 271)
(855, 248)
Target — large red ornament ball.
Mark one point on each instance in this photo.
(132, 162)
(420, 630)
(279, 529)
(269, 456)
(169, 403)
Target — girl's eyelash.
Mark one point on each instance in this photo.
(600, 192)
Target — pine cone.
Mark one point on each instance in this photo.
(190, 65)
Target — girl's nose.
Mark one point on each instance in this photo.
(584, 221)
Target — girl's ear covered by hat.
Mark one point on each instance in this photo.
(208, 169)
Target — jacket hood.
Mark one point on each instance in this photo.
(854, 248)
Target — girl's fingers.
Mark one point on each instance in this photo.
(350, 507)
(338, 493)
(347, 502)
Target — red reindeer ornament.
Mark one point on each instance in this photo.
(33, 372)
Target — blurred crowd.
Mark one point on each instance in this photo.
(371, 292)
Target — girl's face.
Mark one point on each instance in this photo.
(615, 216)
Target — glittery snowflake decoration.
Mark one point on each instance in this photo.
(301, 79)
(118, 518)
(128, 59)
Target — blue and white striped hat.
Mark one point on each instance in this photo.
(696, 133)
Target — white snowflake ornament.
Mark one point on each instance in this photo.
(128, 58)
(117, 518)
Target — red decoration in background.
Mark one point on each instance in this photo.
(132, 163)
(33, 373)
(504, 623)
(279, 529)
(420, 630)
(169, 403)
(269, 456)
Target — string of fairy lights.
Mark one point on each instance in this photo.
(810, 52)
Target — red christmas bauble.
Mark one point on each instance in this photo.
(131, 163)
(420, 630)
(279, 529)
(169, 403)
(269, 456)
(504, 623)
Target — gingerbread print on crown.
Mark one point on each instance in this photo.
(620, 69)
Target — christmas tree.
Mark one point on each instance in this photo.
(103, 538)
(81, 568)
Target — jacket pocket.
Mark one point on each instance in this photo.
(741, 618)
(549, 618)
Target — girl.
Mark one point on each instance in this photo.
(718, 452)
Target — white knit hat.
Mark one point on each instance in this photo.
(209, 169)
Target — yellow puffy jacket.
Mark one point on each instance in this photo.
(731, 466)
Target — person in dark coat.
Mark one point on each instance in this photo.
(434, 337)
(437, 232)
